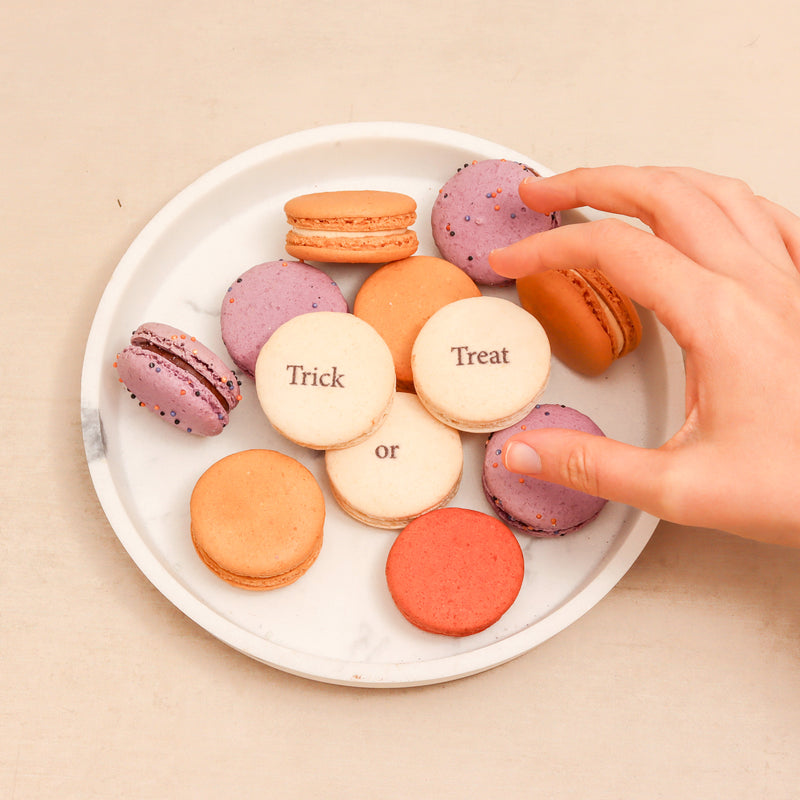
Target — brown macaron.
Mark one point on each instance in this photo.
(361, 226)
(257, 518)
(589, 322)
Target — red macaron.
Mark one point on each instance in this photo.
(454, 571)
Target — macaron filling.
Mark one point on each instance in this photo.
(184, 365)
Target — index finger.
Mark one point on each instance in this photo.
(673, 205)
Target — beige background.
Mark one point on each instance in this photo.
(682, 683)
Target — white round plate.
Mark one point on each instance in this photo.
(338, 623)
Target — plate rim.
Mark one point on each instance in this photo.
(327, 669)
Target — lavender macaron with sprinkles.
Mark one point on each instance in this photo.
(267, 295)
(529, 504)
(478, 210)
(179, 379)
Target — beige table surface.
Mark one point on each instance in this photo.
(684, 682)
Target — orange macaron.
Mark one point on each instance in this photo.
(400, 297)
(454, 571)
(355, 226)
(257, 518)
(589, 322)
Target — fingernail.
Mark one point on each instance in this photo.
(532, 178)
(521, 457)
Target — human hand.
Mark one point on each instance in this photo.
(720, 271)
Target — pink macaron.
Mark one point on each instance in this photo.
(531, 505)
(266, 296)
(478, 210)
(179, 379)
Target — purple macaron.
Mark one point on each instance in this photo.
(179, 379)
(531, 505)
(266, 296)
(478, 210)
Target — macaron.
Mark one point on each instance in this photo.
(360, 226)
(179, 379)
(479, 364)
(454, 571)
(325, 380)
(400, 297)
(590, 322)
(267, 295)
(257, 519)
(531, 505)
(410, 465)
(479, 209)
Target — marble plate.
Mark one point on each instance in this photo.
(338, 623)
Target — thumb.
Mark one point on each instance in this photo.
(593, 464)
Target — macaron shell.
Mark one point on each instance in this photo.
(170, 392)
(529, 504)
(359, 210)
(479, 364)
(454, 571)
(363, 250)
(266, 296)
(400, 297)
(325, 380)
(410, 465)
(478, 210)
(257, 519)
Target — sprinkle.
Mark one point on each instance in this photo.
(192, 339)
(183, 392)
(172, 413)
(494, 464)
(158, 369)
(466, 218)
(469, 258)
(115, 365)
(499, 190)
(151, 365)
(174, 337)
(447, 227)
(524, 427)
(238, 398)
(513, 215)
(194, 352)
(452, 233)
(156, 408)
(177, 422)
(188, 430)
(522, 480)
(141, 405)
(547, 413)
(538, 516)
(488, 194)
(497, 452)
(183, 336)
(553, 521)
(238, 280)
(197, 394)
(231, 299)
(497, 208)
(284, 263)
(314, 305)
